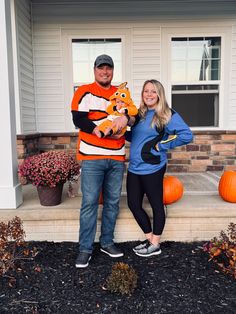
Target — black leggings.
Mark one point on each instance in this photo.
(152, 186)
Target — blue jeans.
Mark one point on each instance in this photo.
(97, 175)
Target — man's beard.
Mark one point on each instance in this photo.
(105, 84)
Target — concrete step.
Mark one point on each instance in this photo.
(188, 206)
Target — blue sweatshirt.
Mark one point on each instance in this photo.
(148, 149)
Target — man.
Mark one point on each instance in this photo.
(102, 162)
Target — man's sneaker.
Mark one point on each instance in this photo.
(149, 250)
(112, 251)
(82, 260)
(141, 245)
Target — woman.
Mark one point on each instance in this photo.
(157, 128)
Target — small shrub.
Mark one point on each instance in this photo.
(123, 279)
(222, 250)
(12, 244)
(50, 168)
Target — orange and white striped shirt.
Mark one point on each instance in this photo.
(90, 103)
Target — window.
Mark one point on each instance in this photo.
(195, 77)
(84, 53)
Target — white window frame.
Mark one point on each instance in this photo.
(199, 31)
(91, 32)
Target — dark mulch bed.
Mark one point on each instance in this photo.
(180, 280)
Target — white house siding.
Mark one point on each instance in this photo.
(146, 56)
(25, 66)
(232, 104)
(49, 88)
(50, 20)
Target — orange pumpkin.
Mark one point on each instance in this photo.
(227, 186)
(172, 189)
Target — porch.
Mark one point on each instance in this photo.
(37, 80)
(200, 215)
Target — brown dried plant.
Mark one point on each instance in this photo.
(222, 250)
(123, 279)
(12, 244)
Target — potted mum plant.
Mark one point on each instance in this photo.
(48, 172)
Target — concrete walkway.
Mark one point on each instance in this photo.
(200, 215)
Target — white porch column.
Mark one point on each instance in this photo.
(10, 189)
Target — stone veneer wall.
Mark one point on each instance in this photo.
(31, 144)
(210, 150)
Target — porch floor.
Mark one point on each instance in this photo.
(200, 215)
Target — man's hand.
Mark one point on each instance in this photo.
(97, 132)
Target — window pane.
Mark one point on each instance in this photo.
(197, 109)
(179, 50)
(201, 55)
(193, 70)
(195, 53)
(179, 71)
(195, 60)
(84, 53)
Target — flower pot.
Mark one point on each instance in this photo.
(50, 196)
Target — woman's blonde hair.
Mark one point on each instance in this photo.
(162, 113)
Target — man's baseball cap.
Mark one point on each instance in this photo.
(104, 59)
